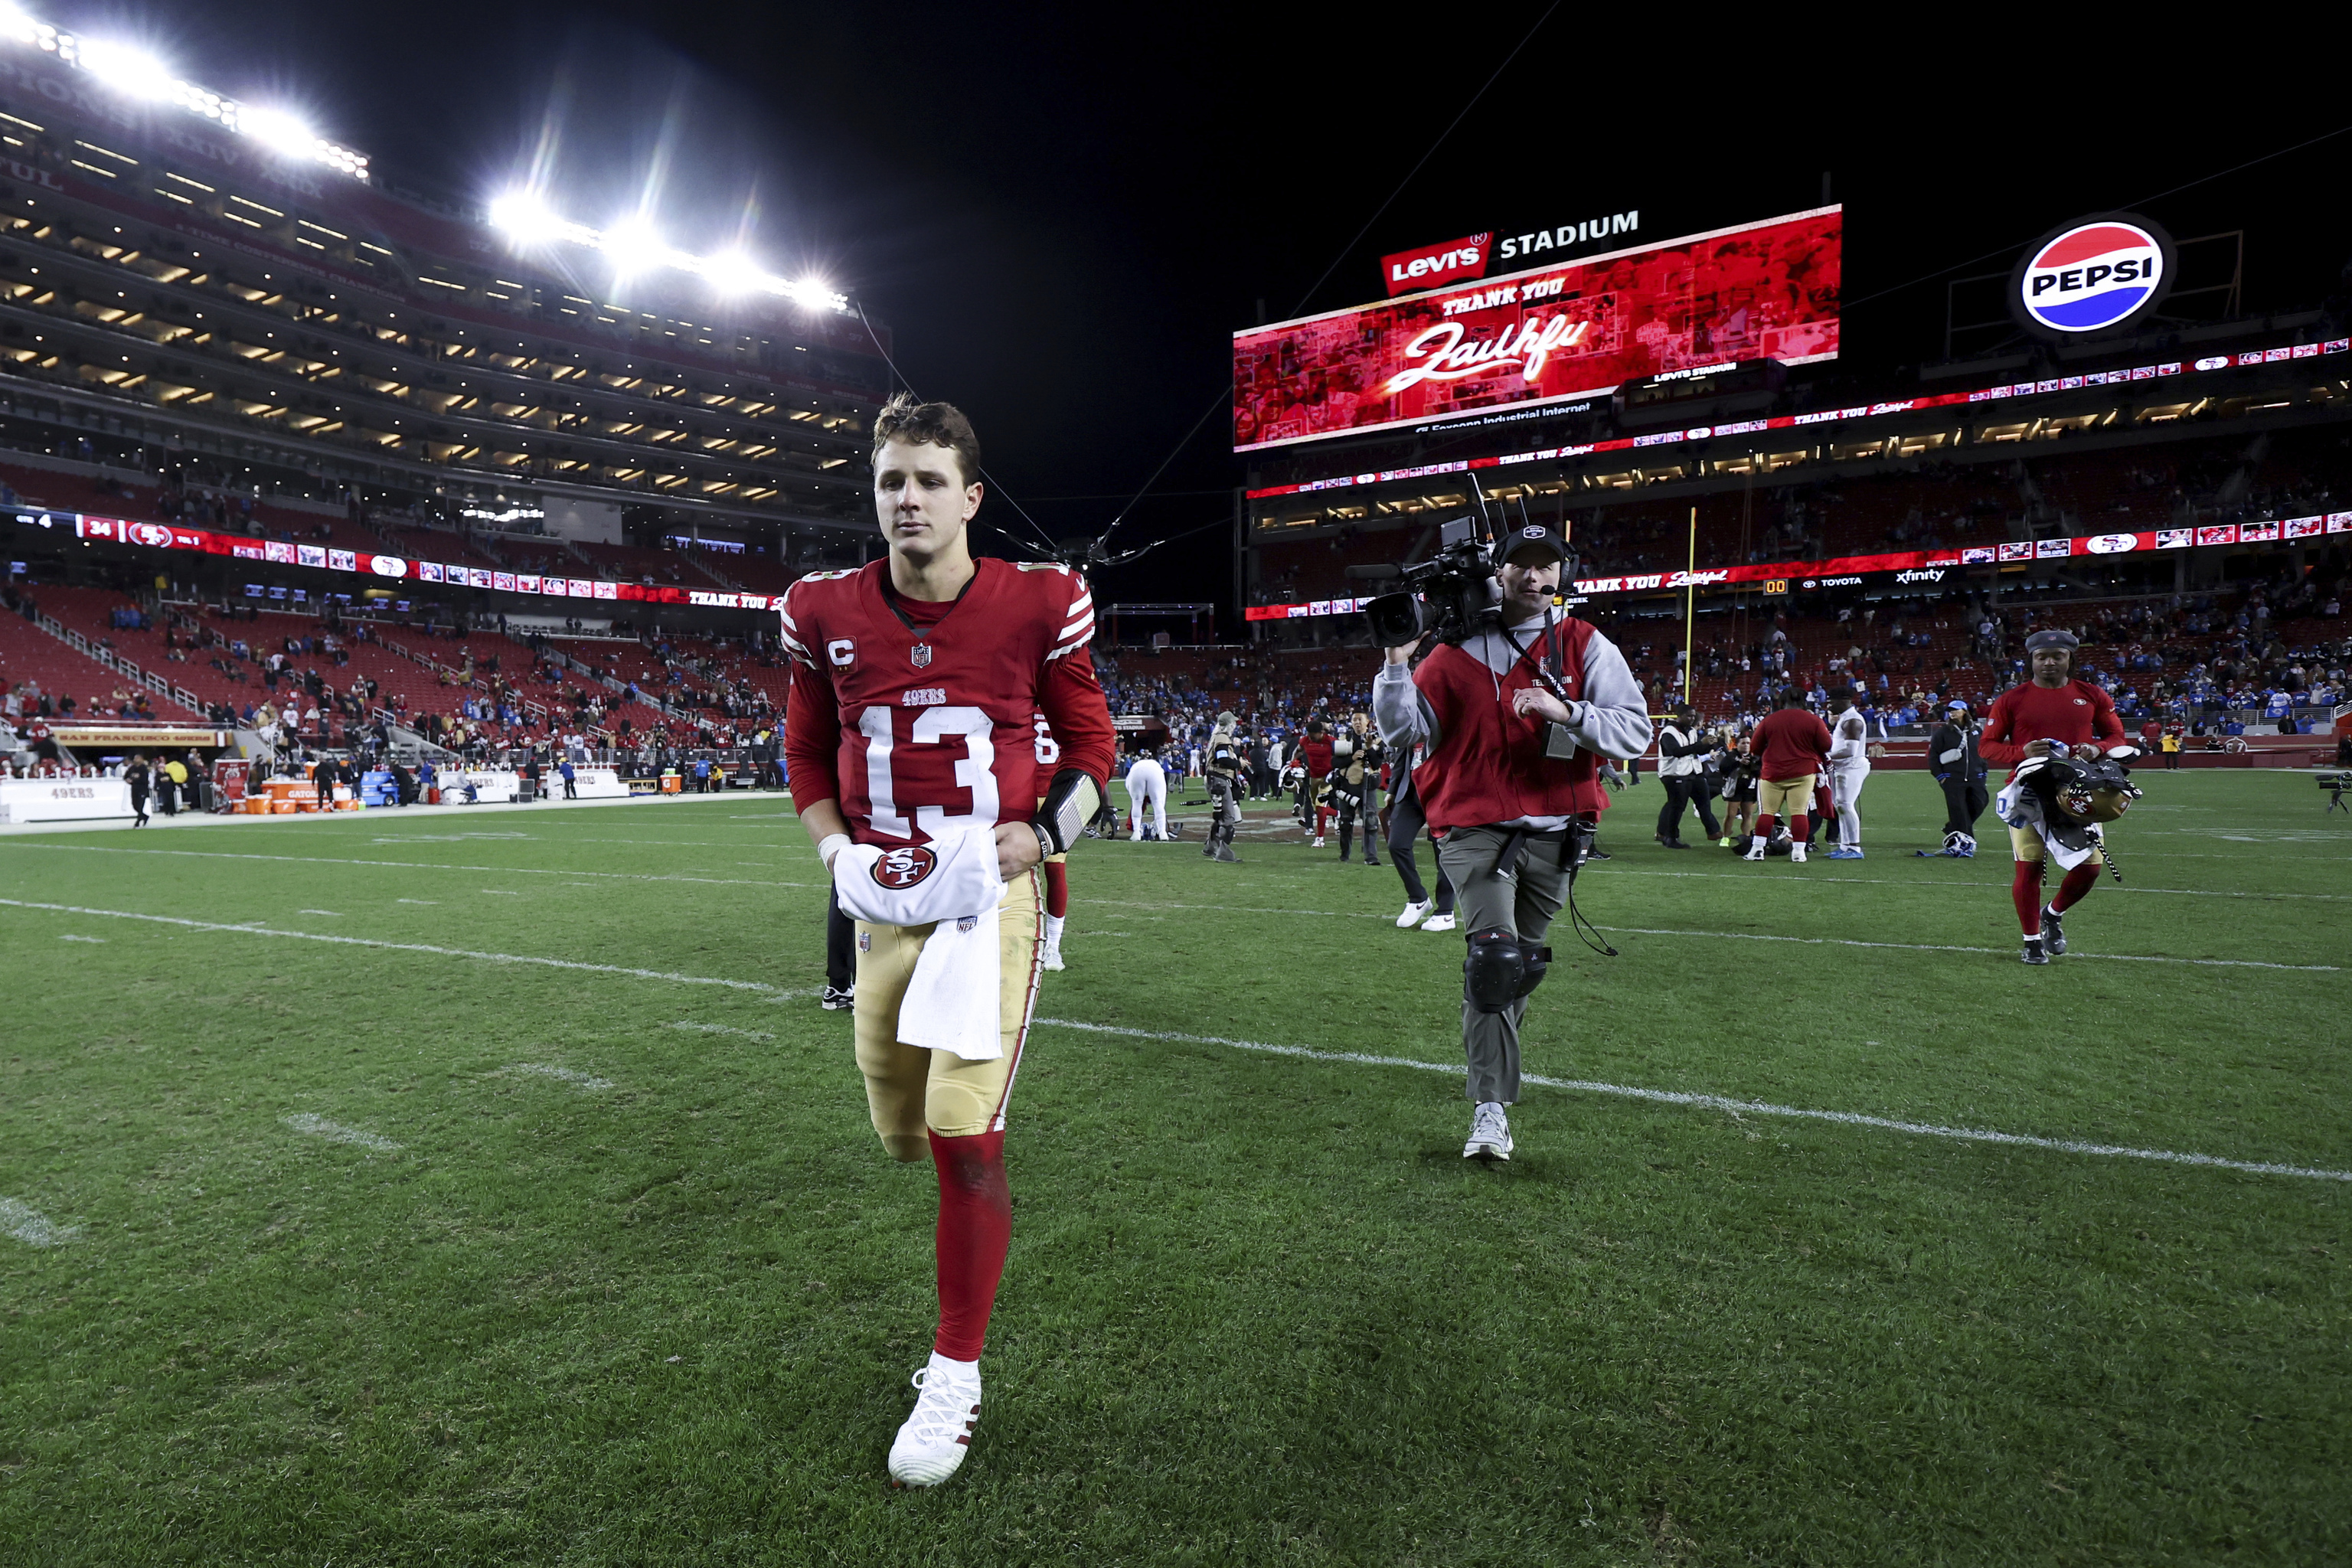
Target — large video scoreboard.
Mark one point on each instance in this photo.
(1552, 334)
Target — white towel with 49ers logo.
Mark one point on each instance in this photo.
(950, 884)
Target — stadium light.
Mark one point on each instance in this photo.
(530, 223)
(732, 273)
(134, 72)
(279, 131)
(126, 69)
(635, 249)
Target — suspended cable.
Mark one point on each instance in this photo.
(1225, 395)
(1052, 550)
(2143, 201)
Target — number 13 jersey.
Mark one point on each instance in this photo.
(921, 718)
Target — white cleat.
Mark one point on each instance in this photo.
(1415, 913)
(1755, 852)
(933, 1440)
(1490, 1133)
(1797, 853)
(1318, 841)
(1438, 922)
(1053, 959)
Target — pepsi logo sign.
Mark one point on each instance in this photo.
(902, 868)
(2094, 276)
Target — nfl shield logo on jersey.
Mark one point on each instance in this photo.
(922, 656)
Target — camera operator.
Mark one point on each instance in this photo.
(1509, 781)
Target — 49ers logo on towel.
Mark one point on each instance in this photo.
(902, 868)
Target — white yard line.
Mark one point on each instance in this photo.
(1838, 879)
(336, 913)
(97, 940)
(31, 1227)
(1659, 1096)
(424, 866)
(336, 1133)
(1753, 936)
(1721, 1102)
(773, 992)
(563, 1075)
(2071, 955)
(690, 1025)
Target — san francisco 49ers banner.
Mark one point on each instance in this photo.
(1763, 291)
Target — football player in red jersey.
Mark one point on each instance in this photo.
(1056, 868)
(2025, 721)
(916, 685)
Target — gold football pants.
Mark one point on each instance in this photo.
(909, 1088)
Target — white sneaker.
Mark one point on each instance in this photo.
(1438, 922)
(1755, 852)
(1413, 915)
(1797, 852)
(1053, 959)
(934, 1439)
(1318, 841)
(1490, 1133)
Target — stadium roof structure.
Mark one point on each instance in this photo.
(199, 275)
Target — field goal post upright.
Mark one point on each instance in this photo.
(1690, 601)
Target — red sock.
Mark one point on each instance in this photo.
(1765, 824)
(2025, 892)
(1322, 819)
(975, 1229)
(2077, 882)
(1057, 888)
(1799, 827)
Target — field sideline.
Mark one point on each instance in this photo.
(487, 1186)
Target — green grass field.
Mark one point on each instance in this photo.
(306, 1255)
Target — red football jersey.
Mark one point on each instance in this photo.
(2077, 712)
(923, 719)
(1790, 743)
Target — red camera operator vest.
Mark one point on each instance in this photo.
(1488, 765)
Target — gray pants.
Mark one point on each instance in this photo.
(1526, 904)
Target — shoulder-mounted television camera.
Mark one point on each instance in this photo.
(1457, 594)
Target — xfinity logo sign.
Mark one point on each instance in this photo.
(1922, 575)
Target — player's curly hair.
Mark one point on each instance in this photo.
(928, 424)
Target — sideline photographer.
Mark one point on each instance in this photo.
(1514, 709)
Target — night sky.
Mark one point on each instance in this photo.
(1063, 217)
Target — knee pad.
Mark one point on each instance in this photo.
(1534, 962)
(1494, 973)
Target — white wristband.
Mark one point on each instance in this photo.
(831, 845)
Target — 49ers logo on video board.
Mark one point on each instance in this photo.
(902, 868)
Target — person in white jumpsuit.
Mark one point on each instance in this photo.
(1147, 785)
(1849, 771)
